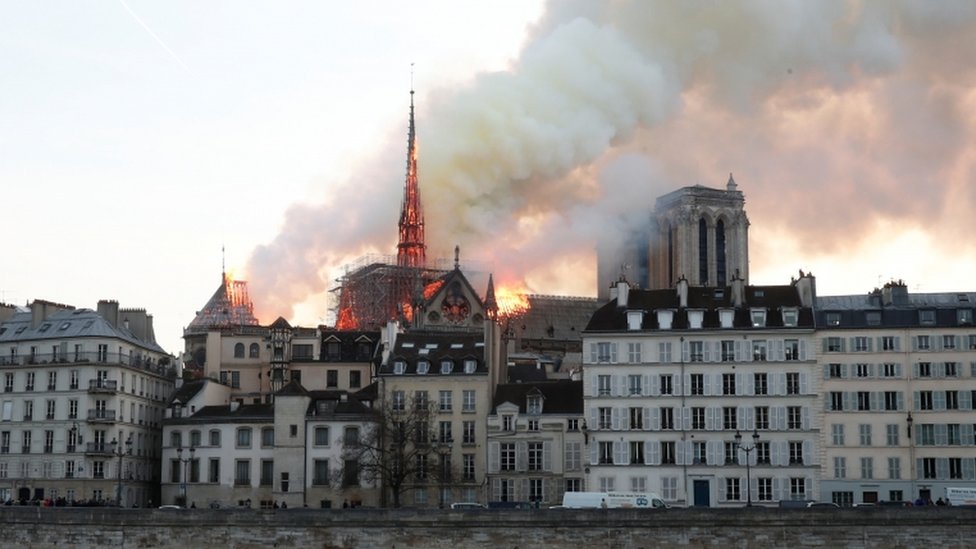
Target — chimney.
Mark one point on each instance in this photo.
(682, 291)
(895, 293)
(738, 291)
(109, 310)
(42, 310)
(623, 293)
(806, 288)
(6, 311)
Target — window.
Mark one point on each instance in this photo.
(923, 343)
(953, 434)
(507, 423)
(214, 438)
(762, 417)
(835, 344)
(467, 467)
(863, 370)
(399, 366)
(798, 488)
(423, 366)
(698, 418)
(861, 344)
(444, 432)
(952, 400)
(837, 434)
(467, 432)
(8, 384)
(955, 468)
(891, 435)
(399, 401)
(320, 472)
(796, 452)
(699, 452)
(697, 351)
(350, 436)
(242, 472)
(790, 317)
(638, 484)
(792, 349)
(605, 417)
(605, 352)
(864, 431)
(792, 383)
(925, 400)
(732, 489)
(50, 409)
(891, 400)
(573, 456)
(728, 350)
(332, 378)
(888, 343)
(467, 400)
(606, 453)
(731, 453)
(667, 418)
(30, 382)
(836, 401)
(951, 370)
(867, 468)
(729, 418)
(634, 384)
(535, 456)
(244, 437)
(52, 380)
(697, 384)
(840, 467)
(603, 385)
(894, 468)
(926, 316)
(924, 369)
(470, 366)
(874, 318)
(533, 405)
(420, 400)
(728, 384)
(636, 418)
(664, 351)
(445, 401)
(634, 352)
(667, 387)
(447, 367)
(669, 488)
(759, 350)
(926, 434)
(863, 400)
(764, 488)
(758, 317)
(928, 468)
(239, 350)
(508, 456)
(891, 370)
(668, 452)
(762, 453)
(267, 437)
(759, 384)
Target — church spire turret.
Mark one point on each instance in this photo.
(411, 249)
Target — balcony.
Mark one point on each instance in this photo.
(101, 416)
(107, 386)
(98, 449)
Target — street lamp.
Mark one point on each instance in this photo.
(444, 475)
(911, 456)
(184, 461)
(121, 452)
(747, 450)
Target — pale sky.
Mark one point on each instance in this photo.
(140, 137)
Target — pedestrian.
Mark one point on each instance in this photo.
(940, 503)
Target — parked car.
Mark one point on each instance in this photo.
(467, 505)
(828, 504)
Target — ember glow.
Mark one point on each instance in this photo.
(512, 301)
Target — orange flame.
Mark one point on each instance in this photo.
(512, 301)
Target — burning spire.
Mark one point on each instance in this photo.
(411, 249)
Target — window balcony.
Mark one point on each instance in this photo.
(107, 386)
(101, 416)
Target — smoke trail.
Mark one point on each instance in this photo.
(832, 114)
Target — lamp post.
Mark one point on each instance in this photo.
(911, 457)
(444, 473)
(185, 461)
(121, 452)
(748, 450)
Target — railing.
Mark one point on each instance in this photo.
(134, 360)
(100, 385)
(101, 415)
(98, 448)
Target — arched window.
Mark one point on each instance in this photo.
(255, 350)
(239, 350)
(720, 278)
(702, 252)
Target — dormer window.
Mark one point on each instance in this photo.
(423, 367)
(726, 317)
(758, 317)
(399, 367)
(533, 404)
(926, 317)
(964, 316)
(790, 317)
(634, 319)
(695, 319)
(447, 366)
(664, 318)
(470, 365)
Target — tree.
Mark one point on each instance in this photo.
(396, 450)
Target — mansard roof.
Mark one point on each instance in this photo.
(774, 299)
(68, 324)
(559, 397)
(435, 347)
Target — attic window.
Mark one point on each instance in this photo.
(479, 344)
(790, 317)
(64, 326)
(423, 351)
(758, 317)
(21, 329)
(407, 345)
(399, 366)
(423, 367)
(431, 346)
(447, 366)
(760, 293)
(2, 330)
(88, 324)
(719, 294)
(457, 345)
(45, 327)
(469, 366)
(726, 318)
(833, 319)
(534, 405)
(964, 298)
(926, 316)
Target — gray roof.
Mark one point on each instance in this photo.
(68, 324)
(862, 301)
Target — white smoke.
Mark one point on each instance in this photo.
(833, 115)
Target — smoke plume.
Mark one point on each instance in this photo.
(842, 121)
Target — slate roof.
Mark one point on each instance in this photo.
(332, 403)
(435, 347)
(62, 325)
(245, 413)
(187, 391)
(559, 397)
(557, 318)
(349, 344)
(852, 311)
(611, 318)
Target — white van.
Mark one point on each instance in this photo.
(612, 500)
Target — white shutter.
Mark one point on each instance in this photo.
(652, 453)
(521, 455)
(803, 349)
(619, 453)
(652, 418)
(805, 418)
(686, 418)
(613, 352)
(710, 418)
(711, 452)
(594, 452)
(808, 452)
(681, 449)
(494, 454)
(615, 419)
(615, 385)
(547, 456)
(804, 383)
(651, 386)
(738, 351)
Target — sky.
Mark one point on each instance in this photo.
(140, 139)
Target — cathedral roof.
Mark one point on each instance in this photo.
(229, 306)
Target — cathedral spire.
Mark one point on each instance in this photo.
(411, 249)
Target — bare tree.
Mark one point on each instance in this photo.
(397, 450)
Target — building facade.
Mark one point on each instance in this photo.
(82, 405)
(706, 396)
(899, 388)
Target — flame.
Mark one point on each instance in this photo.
(511, 301)
(432, 288)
